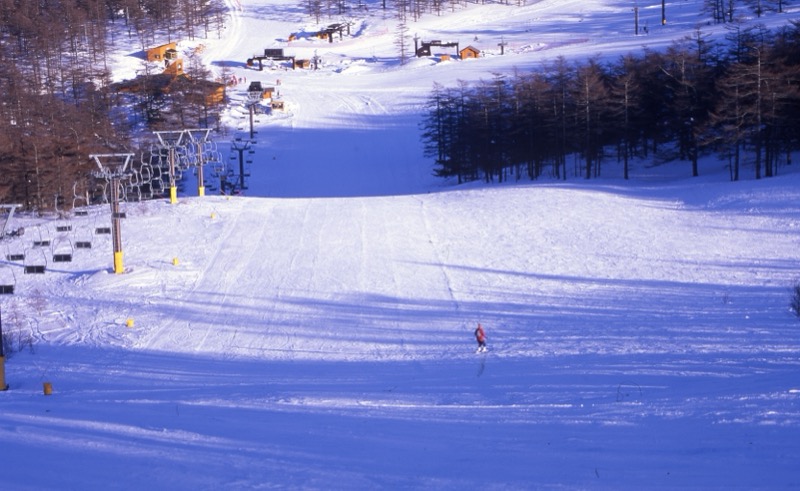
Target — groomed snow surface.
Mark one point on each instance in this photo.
(316, 333)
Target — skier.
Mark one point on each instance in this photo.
(480, 336)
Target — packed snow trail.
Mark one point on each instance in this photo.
(325, 278)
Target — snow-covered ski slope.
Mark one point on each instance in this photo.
(317, 332)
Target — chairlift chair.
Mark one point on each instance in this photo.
(62, 250)
(146, 176)
(83, 239)
(161, 161)
(44, 238)
(35, 261)
(159, 156)
(98, 195)
(8, 280)
(101, 229)
(63, 227)
(212, 155)
(154, 154)
(194, 154)
(83, 196)
(123, 192)
(102, 187)
(133, 185)
(59, 203)
(185, 160)
(217, 169)
(181, 154)
(15, 252)
(157, 181)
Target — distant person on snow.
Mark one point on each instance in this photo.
(480, 336)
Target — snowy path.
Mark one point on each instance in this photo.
(324, 279)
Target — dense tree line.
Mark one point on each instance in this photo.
(56, 106)
(739, 100)
(729, 10)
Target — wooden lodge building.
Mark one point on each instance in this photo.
(213, 93)
(172, 78)
(165, 52)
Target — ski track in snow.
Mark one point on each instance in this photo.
(323, 256)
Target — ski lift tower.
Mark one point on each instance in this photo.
(3, 384)
(199, 137)
(240, 147)
(254, 96)
(113, 167)
(171, 140)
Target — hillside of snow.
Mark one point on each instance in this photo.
(316, 332)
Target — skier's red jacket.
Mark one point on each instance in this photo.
(480, 335)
